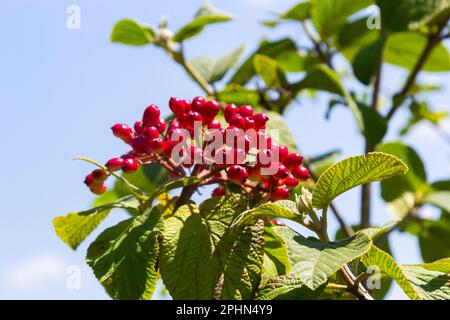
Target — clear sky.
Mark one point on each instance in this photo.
(61, 90)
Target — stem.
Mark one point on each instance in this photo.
(317, 42)
(433, 40)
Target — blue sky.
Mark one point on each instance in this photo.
(62, 90)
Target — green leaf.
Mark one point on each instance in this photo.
(353, 172)
(299, 12)
(367, 60)
(414, 180)
(420, 111)
(404, 49)
(270, 49)
(124, 258)
(330, 15)
(269, 71)
(132, 33)
(206, 15)
(321, 163)
(281, 209)
(276, 261)
(148, 178)
(76, 226)
(198, 242)
(239, 95)
(375, 125)
(440, 199)
(283, 135)
(213, 70)
(313, 261)
(174, 184)
(426, 281)
(434, 239)
(287, 288)
(410, 14)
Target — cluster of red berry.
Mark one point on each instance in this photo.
(249, 158)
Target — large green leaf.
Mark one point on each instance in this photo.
(198, 242)
(313, 261)
(213, 70)
(276, 261)
(367, 60)
(329, 15)
(413, 181)
(287, 288)
(404, 49)
(411, 14)
(434, 239)
(299, 12)
(375, 125)
(353, 172)
(269, 71)
(428, 281)
(206, 15)
(271, 49)
(281, 209)
(76, 226)
(239, 95)
(130, 32)
(124, 258)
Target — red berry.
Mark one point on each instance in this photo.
(237, 173)
(246, 111)
(239, 156)
(157, 146)
(290, 181)
(98, 189)
(264, 158)
(218, 192)
(214, 124)
(99, 175)
(138, 127)
(249, 123)
(230, 111)
(283, 152)
(209, 110)
(140, 144)
(300, 173)
(277, 222)
(130, 165)
(161, 125)
(178, 106)
(282, 171)
(260, 120)
(89, 179)
(238, 121)
(151, 132)
(197, 104)
(293, 160)
(124, 132)
(191, 118)
(151, 115)
(280, 193)
(114, 164)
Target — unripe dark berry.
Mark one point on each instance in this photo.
(237, 173)
(280, 193)
(246, 111)
(151, 115)
(124, 132)
(300, 173)
(89, 180)
(114, 164)
(140, 144)
(157, 146)
(130, 165)
(230, 111)
(178, 106)
(218, 192)
(99, 175)
(151, 132)
(293, 160)
(98, 189)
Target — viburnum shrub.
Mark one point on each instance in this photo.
(241, 152)
(247, 239)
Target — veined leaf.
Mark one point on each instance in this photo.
(269, 71)
(282, 209)
(313, 261)
(287, 288)
(198, 242)
(276, 261)
(206, 15)
(353, 172)
(124, 257)
(130, 32)
(76, 226)
(213, 70)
